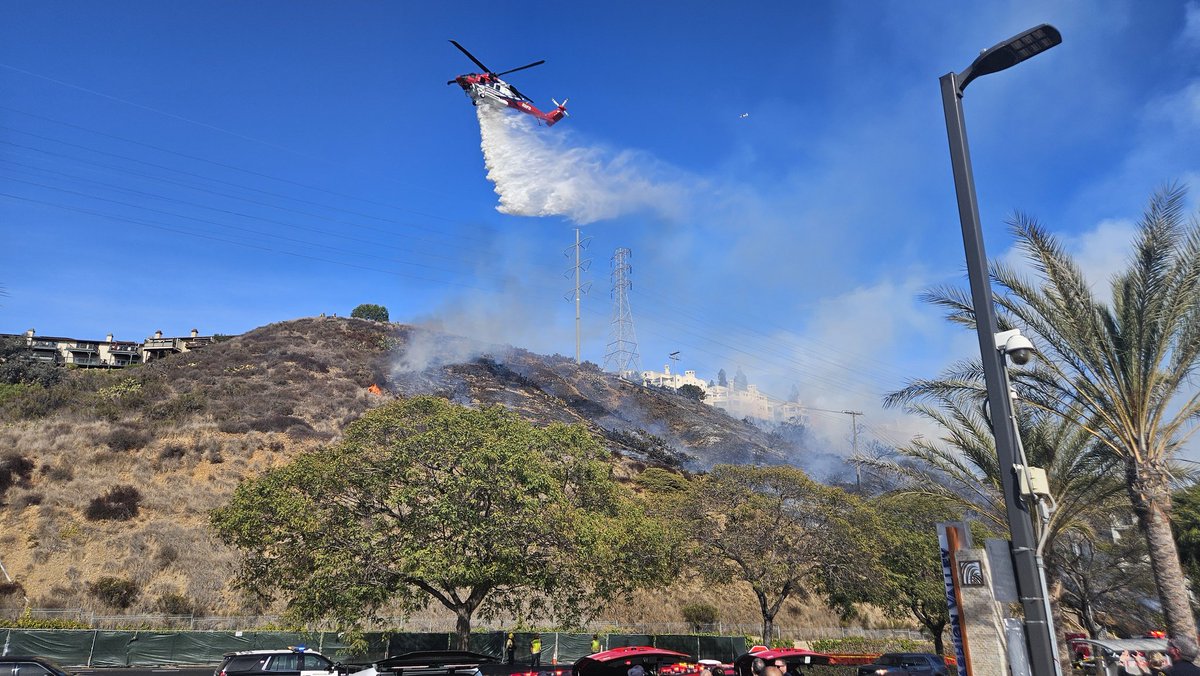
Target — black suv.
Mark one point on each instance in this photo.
(905, 664)
(289, 662)
(18, 665)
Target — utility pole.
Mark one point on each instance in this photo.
(580, 289)
(854, 432)
(622, 355)
(674, 357)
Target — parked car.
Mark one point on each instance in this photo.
(618, 661)
(905, 664)
(795, 660)
(427, 663)
(284, 662)
(28, 665)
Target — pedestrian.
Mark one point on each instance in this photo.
(636, 670)
(757, 666)
(595, 643)
(510, 649)
(1182, 664)
(535, 651)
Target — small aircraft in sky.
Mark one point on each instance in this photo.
(487, 87)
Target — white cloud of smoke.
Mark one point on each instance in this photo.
(539, 174)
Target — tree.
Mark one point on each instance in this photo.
(377, 313)
(1121, 367)
(779, 531)
(961, 468)
(912, 558)
(794, 394)
(739, 380)
(692, 392)
(722, 379)
(1186, 522)
(425, 500)
(19, 367)
(701, 616)
(1101, 579)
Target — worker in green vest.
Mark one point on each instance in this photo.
(535, 650)
(595, 643)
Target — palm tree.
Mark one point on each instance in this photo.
(1120, 369)
(961, 468)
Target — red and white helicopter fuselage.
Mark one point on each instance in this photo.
(487, 88)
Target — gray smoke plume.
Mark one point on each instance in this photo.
(536, 173)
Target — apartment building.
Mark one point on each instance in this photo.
(107, 353)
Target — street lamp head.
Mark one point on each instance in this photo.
(1010, 52)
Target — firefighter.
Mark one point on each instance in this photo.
(535, 651)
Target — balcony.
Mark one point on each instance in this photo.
(124, 349)
(44, 345)
(85, 347)
(85, 361)
(161, 344)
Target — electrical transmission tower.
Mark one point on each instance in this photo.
(622, 355)
(580, 289)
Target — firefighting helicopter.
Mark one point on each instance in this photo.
(487, 87)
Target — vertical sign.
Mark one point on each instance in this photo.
(949, 538)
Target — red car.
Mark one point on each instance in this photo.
(618, 661)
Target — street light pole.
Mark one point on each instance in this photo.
(1039, 635)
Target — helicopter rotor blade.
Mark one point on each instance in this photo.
(471, 56)
(518, 92)
(528, 65)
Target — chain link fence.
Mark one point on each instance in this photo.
(432, 624)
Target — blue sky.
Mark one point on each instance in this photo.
(779, 170)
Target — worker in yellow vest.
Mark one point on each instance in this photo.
(595, 643)
(535, 650)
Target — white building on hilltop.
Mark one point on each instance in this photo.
(738, 403)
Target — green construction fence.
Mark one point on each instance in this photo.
(112, 648)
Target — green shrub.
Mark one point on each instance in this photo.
(174, 603)
(115, 592)
(702, 616)
(370, 311)
(27, 622)
(861, 645)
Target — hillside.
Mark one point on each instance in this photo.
(183, 431)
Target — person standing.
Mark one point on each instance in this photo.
(535, 651)
(595, 643)
(1181, 664)
(510, 648)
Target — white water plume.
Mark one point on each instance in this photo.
(537, 174)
